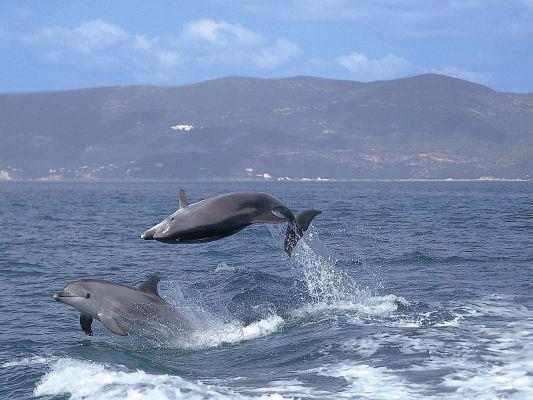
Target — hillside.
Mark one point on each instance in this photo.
(427, 126)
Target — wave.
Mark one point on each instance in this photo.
(81, 380)
(89, 380)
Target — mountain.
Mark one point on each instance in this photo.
(427, 126)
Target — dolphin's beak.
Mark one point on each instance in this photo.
(58, 295)
(62, 294)
(148, 234)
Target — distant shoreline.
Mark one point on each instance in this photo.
(222, 180)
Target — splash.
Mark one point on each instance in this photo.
(332, 289)
(324, 282)
(217, 332)
(209, 329)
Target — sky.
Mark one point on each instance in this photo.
(55, 45)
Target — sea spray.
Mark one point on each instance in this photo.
(324, 282)
(328, 287)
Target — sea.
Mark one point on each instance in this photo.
(399, 290)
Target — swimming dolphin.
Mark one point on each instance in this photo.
(122, 309)
(221, 216)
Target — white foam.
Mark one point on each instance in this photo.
(289, 387)
(363, 305)
(364, 381)
(512, 381)
(182, 127)
(453, 322)
(500, 356)
(25, 361)
(481, 359)
(494, 305)
(365, 347)
(80, 379)
(88, 380)
(430, 318)
(223, 267)
(218, 333)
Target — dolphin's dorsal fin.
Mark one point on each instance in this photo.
(150, 285)
(183, 199)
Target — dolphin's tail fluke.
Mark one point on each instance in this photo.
(297, 227)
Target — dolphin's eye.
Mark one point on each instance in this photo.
(88, 295)
(172, 219)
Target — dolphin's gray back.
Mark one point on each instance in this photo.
(133, 308)
(224, 215)
(226, 210)
(218, 217)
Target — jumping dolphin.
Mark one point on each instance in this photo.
(221, 216)
(122, 309)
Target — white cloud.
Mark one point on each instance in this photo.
(200, 46)
(278, 54)
(391, 66)
(365, 69)
(220, 32)
(104, 45)
(86, 38)
(207, 48)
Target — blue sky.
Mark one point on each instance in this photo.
(50, 45)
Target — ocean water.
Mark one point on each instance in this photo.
(400, 290)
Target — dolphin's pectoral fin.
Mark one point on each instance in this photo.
(268, 218)
(111, 324)
(182, 199)
(150, 285)
(85, 321)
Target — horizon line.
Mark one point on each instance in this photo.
(254, 78)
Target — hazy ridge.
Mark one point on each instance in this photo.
(427, 126)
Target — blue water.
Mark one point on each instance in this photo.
(399, 290)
